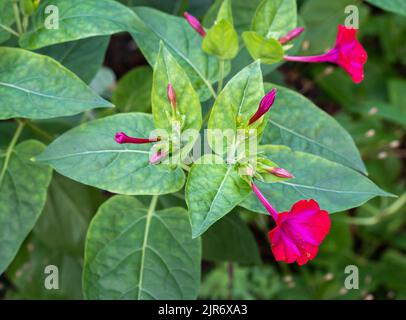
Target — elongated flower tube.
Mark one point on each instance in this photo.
(293, 34)
(348, 53)
(121, 138)
(299, 232)
(280, 172)
(194, 23)
(172, 96)
(265, 104)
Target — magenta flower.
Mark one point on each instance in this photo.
(194, 23)
(157, 157)
(172, 96)
(121, 138)
(291, 35)
(348, 53)
(299, 232)
(280, 172)
(265, 104)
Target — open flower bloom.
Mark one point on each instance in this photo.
(265, 104)
(194, 23)
(121, 138)
(299, 232)
(348, 53)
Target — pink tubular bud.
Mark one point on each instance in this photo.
(121, 138)
(157, 157)
(280, 172)
(272, 211)
(293, 34)
(194, 23)
(266, 103)
(172, 96)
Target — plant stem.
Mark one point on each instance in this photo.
(10, 149)
(230, 272)
(25, 23)
(221, 72)
(17, 16)
(14, 33)
(39, 131)
(184, 166)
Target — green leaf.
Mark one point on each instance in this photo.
(296, 122)
(76, 19)
(221, 40)
(133, 91)
(213, 189)
(230, 239)
(242, 12)
(134, 252)
(240, 98)
(27, 273)
(23, 189)
(269, 51)
(89, 154)
(36, 86)
(166, 71)
(6, 19)
(225, 12)
(275, 18)
(184, 44)
(83, 57)
(66, 215)
(335, 187)
(396, 6)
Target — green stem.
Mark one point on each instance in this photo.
(25, 23)
(221, 71)
(184, 166)
(10, 149)
(39, 131)
(17, 16)
(14, 33)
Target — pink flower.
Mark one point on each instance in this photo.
(194, 23)
(171, 96)
(299, 232)
(121, 138)
(157, 157)
(280, 172)
(291, 35)
(265, 104)
(348, 53)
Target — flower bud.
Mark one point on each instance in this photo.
(172, 96)
(194, 23)
(293, 34)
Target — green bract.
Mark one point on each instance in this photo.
(269, 51)
(221, 40)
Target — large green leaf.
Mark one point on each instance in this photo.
(221, 40)
(23, 190)
(77, 19)
(36, 86)
(133, 91)
(239, 99)
(212, 190)
(183, 42)
(335, 187)
(27, 273)
(83, 57)
(275, 18)
(269, 51)
(230, 239)
(6, 19)
(89, 154)
(396, 6)
(168, 71)
(66, 215)
(134, 252)
(296, 122)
